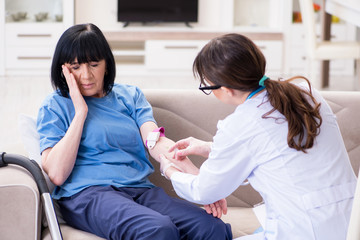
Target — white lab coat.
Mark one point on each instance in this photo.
(307, 195)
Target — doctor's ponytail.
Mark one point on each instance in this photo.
(234, 61)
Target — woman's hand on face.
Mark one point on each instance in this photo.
(190, 146)
(74, 91)
(217, 209)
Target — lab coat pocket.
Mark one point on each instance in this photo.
(329, 210)
(271, 228)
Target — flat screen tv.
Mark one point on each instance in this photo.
(157, 11)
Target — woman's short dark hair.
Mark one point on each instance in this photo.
(85, 43)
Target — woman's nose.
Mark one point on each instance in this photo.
(86, 73)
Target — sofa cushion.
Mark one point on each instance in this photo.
(243, 221)
(69, 233)
(345, 105)
(20, 208)
(31, 138)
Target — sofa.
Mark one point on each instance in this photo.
(182, 113)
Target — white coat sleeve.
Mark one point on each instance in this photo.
(229, 164)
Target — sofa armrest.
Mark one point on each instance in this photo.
(20, 216)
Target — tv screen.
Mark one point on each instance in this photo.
(157, 10)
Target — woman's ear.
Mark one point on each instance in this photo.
(230, 92)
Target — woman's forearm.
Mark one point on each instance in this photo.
(162, 147)
(59, 161)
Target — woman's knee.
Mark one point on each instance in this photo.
(212, 229)
(163, 228)
(160, 228)
(221, 230)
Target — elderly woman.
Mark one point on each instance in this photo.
(92, 137)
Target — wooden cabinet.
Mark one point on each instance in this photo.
(171, 54)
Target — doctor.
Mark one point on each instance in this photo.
(283, 138)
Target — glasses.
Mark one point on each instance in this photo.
(208, 89)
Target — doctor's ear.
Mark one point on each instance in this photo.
(228, 91)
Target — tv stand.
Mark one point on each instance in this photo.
(126, 24)
(188, 24)
(142, 23)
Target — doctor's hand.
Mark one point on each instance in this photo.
(74, 91)
(217, 209)
(184, 165)
(190, 146)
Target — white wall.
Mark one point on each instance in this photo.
(2, 38)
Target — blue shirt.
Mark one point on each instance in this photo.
(111, 150)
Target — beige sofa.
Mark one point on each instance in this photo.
(183, 113)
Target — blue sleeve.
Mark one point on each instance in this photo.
(52, 124)
(143, 109)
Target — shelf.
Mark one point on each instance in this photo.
(128, 53)
(154, 34)
(25, 11)
(28, 43)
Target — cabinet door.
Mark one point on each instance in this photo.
(32, 34)
(28, 58)
(273, 52)
(171, 54)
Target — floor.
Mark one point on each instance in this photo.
(23, 95)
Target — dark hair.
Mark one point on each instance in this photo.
(86, 43)
(234, 61)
